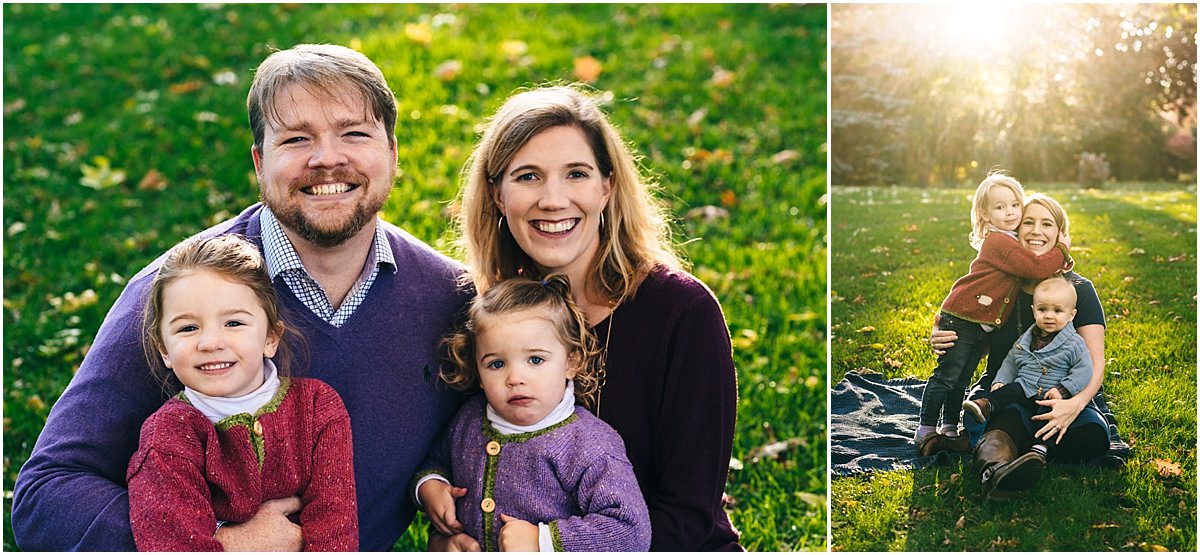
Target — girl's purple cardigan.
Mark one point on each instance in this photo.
(573, 476)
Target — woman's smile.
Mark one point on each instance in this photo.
(556, 227)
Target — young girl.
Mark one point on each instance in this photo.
(979, 302)
(239, 433)
(538, 472)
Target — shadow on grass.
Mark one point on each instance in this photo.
(1073, 507)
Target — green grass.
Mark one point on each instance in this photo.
(896, 251)
(146, 90)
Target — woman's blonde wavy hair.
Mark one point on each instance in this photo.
(634, 236)
(553, 297)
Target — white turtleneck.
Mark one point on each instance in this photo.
(218, 408)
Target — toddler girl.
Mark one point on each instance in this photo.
(539, 473)
(238, 433)
(980, 301)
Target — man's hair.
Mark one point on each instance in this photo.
(325, 71)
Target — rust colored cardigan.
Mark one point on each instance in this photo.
(987, 293)
(188, 473)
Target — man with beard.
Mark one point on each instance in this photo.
(370, 300)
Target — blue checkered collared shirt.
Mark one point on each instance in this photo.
(282, 260)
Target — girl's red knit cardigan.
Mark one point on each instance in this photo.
(188, 473)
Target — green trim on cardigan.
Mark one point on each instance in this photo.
(556, 537)
(492, 433)
(246, 419)
(493, 461)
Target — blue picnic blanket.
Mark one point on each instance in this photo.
(873, 420)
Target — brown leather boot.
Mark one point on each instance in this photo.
(1021, 474)
(940, 442)
(978, 409)
(995, 450)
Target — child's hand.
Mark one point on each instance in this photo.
(455, 543)
(1053, 394)
(438, 499)
(996, 385)
(517, 535)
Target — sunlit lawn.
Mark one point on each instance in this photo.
(125, 131)
(896, 251)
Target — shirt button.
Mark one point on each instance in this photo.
(257, 428)
(488, 505)
(493, 448)
(1043, 370)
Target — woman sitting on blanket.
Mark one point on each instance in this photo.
(1075, 425)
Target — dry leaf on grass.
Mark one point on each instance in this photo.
(1167, 469)
(588, 69)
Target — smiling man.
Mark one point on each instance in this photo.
(370, 300)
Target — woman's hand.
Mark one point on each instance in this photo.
(941, 340)
(517, 534)
(996, 385)
(1063, 413)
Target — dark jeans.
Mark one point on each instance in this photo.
(1014, 395)
(945, 389)
(1086, 439)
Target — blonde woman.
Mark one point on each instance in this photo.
(553, 189)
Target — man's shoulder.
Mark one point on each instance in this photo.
(410, 251)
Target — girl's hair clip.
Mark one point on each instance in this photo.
(558, 283)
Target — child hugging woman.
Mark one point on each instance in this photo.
(240, 432)
(537, 472)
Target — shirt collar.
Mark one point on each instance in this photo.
(281, 256)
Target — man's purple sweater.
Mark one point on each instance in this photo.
(71, 494)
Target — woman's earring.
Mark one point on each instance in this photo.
(500, 224)
(601, 220)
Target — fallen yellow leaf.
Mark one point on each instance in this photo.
(513, 49)
(420, 33)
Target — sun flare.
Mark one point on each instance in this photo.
(978, 29)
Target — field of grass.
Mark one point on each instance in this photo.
(895, 253)
(125, 131)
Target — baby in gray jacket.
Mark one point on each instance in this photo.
(1049, 361)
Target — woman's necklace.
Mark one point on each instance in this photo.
(602, 371)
